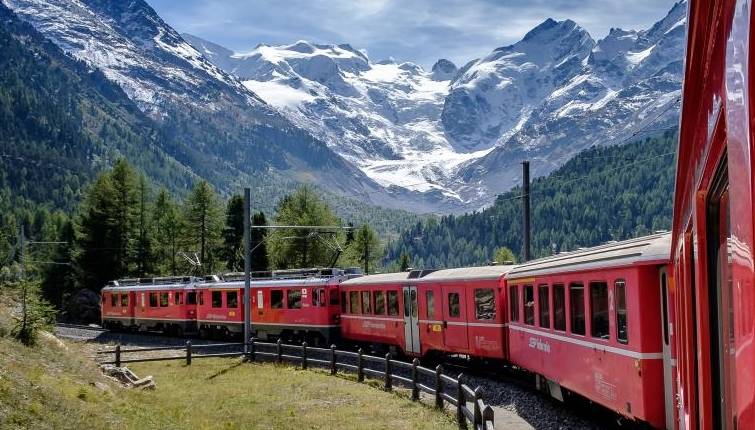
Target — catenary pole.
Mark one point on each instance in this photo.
(247, 270)
(526, 228)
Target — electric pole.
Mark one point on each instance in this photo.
(247, 270)
(526, 211)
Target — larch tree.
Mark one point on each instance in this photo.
(366, 248)
(289, 247)
(233, 234)
(260, 261)
(203, 224)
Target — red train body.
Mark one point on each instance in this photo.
(713, 244)
(453, 311)
(591, 322)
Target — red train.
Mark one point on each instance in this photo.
(659, 329)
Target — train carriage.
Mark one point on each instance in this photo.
(163, 304)
(452, 311)
(591, 322)
(291, 305)
(713, 244)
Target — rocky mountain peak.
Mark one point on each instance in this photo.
(444, 70)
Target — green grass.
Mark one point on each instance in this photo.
(53, 385)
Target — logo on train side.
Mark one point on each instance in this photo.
(538, 344)
(375, 325)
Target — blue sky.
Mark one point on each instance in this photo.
(420, 31)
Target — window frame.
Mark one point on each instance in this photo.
(366, 305)
(232, 304)
(477, 302)
(378, 296)
(623, 283)
(577, 286)
(113, 300)
(219, 295)
(392, 307)
(450, 304)
(294, 298)
(529, 306)
(124, 303)
(429, 304)
(514, 303)
(564, 311)
(604, 335)
(154, 301)
(544, 318)
(280, 303)
(355, 307)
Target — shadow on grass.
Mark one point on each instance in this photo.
(224, 371)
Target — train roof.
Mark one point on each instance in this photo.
(418, 276)
(257, 283)
(653, 249)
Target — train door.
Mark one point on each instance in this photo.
(721, 309)
(666, 331)
(455, 317)
(411, 320)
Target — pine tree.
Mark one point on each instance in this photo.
(125, 201)
(168, 230)
(203, 224)
(366, 248)
(233, 234)
(99, 256)
(404, 262)
(60, 278)
(144, 252)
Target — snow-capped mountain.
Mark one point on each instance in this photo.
(460, 134)
(214, 124)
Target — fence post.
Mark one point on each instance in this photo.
(477, 412)
(438, 387)
(252, 351)
(118, 354)
(388, 372)
(188, 353)
(461, 401)
(415, 388)
(360, 367)
(488, 415)
(304, 356)
(333, 368)
(279, 351)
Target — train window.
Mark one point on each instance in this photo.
(622, 326)
(315, 297)
(454, 307)
(178, 298)
(599, 310)
(343, 302)
(153, 300)
(379, 302)
(232, 299)
(430, 298)
(559, 308)
(124, 299)
(545, 309)
(322, 299)
(333, 297)
(529, 305)
(191, 298)
(164, 300)
(217, 299)
(293, 299)
(484, 302)
(113, 299)
(366, 302)
(353, 302)
(276, 299)
(577, 308)
(201, 298)
(393, 303)
(514, 302)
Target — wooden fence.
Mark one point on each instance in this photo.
(442, 388)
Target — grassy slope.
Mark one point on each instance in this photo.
(52, 386)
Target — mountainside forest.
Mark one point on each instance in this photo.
(604, 193)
